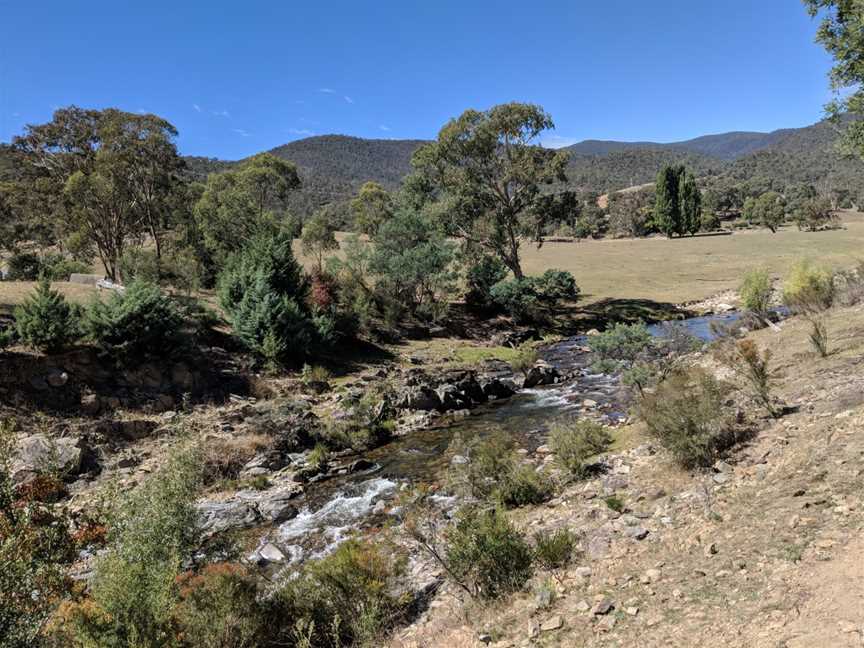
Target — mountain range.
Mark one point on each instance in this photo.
(333, 167)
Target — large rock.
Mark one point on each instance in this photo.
(452, 398)
(494, 389)
(38, 453)
(420, 398)
(541, 374)
(217, 517)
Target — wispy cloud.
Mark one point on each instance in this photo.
(327, 90)
(348, 99)
(557, 141)
(304, 132)
(241, 132)
(384, 128)
(221, 113)
(196, 107)
(142, 111)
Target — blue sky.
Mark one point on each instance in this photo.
(240, 77)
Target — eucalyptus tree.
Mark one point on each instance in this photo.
(482, 179)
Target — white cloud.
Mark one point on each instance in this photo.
(241, 132)
(349, 99)
(196, 107)
(384, 128)
(304, 132)
(556, 141)
(221, 113)
(141, 111)
(327, 90)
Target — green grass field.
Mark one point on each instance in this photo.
(688, 269)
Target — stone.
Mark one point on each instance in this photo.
(583, 572)
(722, 467)
(270, 553)
(90, 404)
(589, 402)
(216, 517)
(495, 389)
(57, 378)
(582, 606)
(361, 465)
(602, 607)
(552, 623)
(721, 478)
(419, 398)
(485, 638)
(710, 549)
(606, 623)
(38, 453)
(650, 576)
(632, 611)
(541, 374)
(636, 532)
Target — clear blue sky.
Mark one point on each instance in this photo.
(237, 77)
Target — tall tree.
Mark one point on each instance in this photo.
(691, 204)
(841, 32)
(237, 204)
(318, 237)
(103, 175)
(484, 175)
(667, 204)
(372, 207)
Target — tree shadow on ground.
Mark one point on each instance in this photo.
(605, 312)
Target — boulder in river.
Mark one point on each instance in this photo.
(541, 373)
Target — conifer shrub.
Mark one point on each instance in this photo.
(141, 321)
(264, 291)
(46, 321)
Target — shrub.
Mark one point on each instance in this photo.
(26, 266)
(554, 285)
(141, 321)
(525, 358)
(347, 598)
(686, 415)
(518, 298)
(522, 485)
(552, 551)
(819, 336)
(624, 348)
(814, 214)
(35, 549)
(46, 321)
(7, 337)
(754, 371)
(138, 264)
(152, 530)
(808, 288)
(614, 503)
(486, 554)
(756, 291)
(481, 277)
(23, 266)
(368, 422)
(218, 608)
(319, 457)
(575, 442)
(494, 473)
(264, 292)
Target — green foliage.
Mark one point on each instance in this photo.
(349, 598)
(460, 176)
(318, 237)
(138, 264)
(624, 348)
(525, 358)
(486, 554)
(815, 214)
(552, 551)
(319, 457)
(677, 201)
(481, 276)
(686, 415)
(152, 530)
(518, 297)
(46, 321)
(768, 210)
(495, 472)
(413, 261)
(372, 207)
(141, 321)
(808, 288)
(614, 503)
(367, 423)
(263, 291)
(575, 442)
(26, 266)
(239, 204)
(841, 32)
(691, 204)
(35, 550)
(756, 290)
